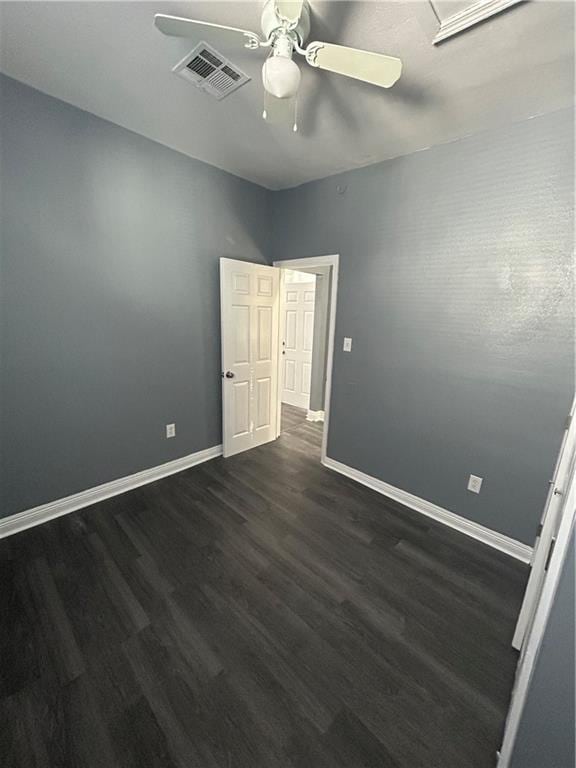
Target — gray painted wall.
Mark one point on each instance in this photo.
(109, 255)
(455, 285)
(456, 288)
(546, 734)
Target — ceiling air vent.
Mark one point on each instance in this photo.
(210, 71)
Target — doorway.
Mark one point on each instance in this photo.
(264, 311)
(307, 321)
(302, 365)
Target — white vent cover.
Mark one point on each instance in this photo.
(210, 71)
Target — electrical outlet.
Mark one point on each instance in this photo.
(170, 430)
(475, 483)
(347, 344)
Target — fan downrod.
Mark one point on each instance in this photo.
(271, 23)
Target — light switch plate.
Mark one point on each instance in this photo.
(347, 344)
(170, 430)
(474, 483)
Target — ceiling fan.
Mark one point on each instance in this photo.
(286, 26)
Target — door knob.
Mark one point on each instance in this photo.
(229, 374)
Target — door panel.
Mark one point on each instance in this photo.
(297, 338)
(241, 283)
(308, 331)
(264, 405)
(290, 336)
(264, 334)
(265, 286)
(241, 408)
(290, 375)
(249, 317)
(241, 349)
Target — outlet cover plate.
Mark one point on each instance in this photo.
(475, 483)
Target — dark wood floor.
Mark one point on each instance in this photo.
(259, 611)
(292, 417)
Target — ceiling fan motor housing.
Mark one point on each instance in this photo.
(270, 22)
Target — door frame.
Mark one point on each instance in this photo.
(537, 628)
(547, 529)
(308, 262)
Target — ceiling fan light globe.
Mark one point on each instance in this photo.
(281, 77)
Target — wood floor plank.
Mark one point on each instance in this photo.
(292, 417)
(56, 632)
(254, 612)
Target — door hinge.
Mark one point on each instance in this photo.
(539, 530)
(549, 556)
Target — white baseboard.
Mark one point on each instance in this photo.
(315, 415)
(37, 515)
(497, 540)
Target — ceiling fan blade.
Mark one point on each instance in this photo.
(280, 111)
(289, 10)
(375, 68)
(177, 26)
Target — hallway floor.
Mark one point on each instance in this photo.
(293, 417)
(255, 612)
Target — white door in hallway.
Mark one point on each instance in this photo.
(249, 311)
(297, 336)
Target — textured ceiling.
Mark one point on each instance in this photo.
(107, 58)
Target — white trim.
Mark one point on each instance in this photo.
(497, 540)
(548, 528)
(37, 515)
(308, 262)
(536, 627)
(281, 286)
(315, 415)
(470, 16)
(535, 636)
(323, 261)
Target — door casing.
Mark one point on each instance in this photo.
(310, 262)
(543, 598)
(548, 529)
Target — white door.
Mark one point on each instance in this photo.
(297, 337)
(548, 530)
(249, 311)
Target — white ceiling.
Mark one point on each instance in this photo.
(107, 58)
